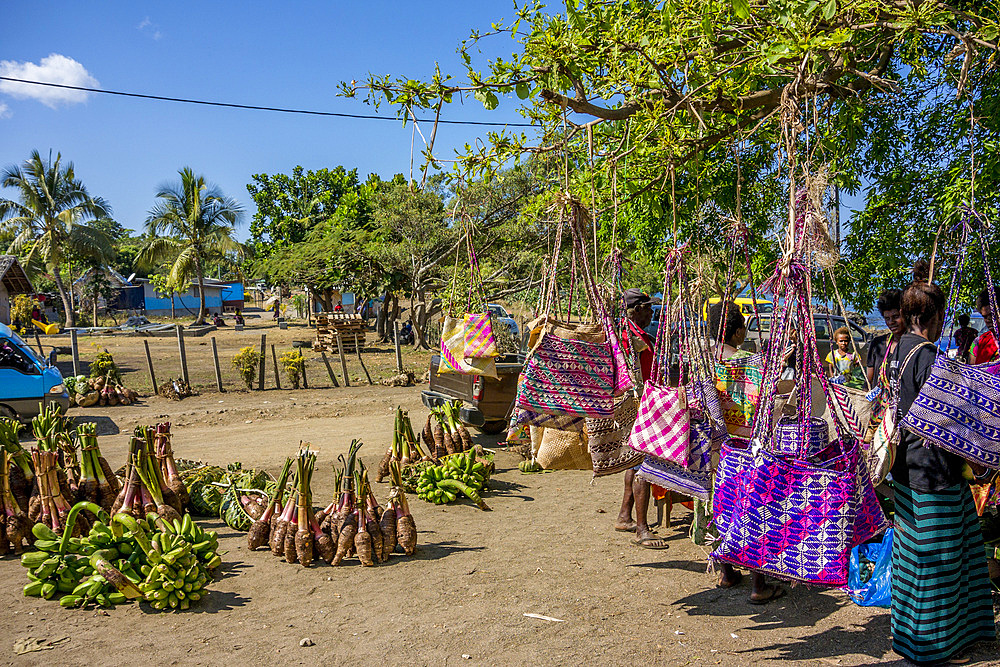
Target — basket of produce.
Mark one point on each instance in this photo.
(103, 387)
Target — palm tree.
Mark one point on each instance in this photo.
(50, 218)
(192, 224)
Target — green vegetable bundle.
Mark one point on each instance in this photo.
(116, 561)
(458, 474)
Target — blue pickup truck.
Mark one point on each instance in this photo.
(27, 381)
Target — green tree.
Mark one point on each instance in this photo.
(50, 216)
(290, 205)
(193, 222)
(663, 110)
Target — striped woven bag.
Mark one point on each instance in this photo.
(453, 353)
(479, 340)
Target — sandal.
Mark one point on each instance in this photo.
(651, 543)
(626, 528)
(776, 592)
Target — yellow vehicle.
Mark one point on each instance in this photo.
(764, 307)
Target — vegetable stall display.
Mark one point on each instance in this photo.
(444, 433)
(104, 386)
(352, 525)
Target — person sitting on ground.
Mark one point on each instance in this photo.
(217, 320)
(965, 337)
(731, 333)
(844, 363)
(985, 348)
(639, 313)
(882, 346)
(239, 317)
(339, 308)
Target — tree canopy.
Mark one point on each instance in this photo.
(669, 113)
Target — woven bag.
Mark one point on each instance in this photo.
(739, 385)
(479, 340)
(662, 426)
(608, 438)
(453, 358)
(958, 410)
(796, 512)
(562, 450)
(694, 479)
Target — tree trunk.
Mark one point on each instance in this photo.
(173, 311)
(201, 291)
(418, 315)
(67, 306)
(383, 315)
(95, 309)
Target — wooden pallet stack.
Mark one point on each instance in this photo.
(328, 325)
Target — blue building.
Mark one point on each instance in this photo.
(184, 304)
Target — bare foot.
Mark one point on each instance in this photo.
(730, 577)
(625, 526)
(767, 594)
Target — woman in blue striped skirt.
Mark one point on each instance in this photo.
(941, 595)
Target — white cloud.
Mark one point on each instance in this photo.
(145, 23)
(53, 68)
(157, 35)
(154, 27)
(4, 111)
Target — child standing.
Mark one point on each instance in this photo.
(843, 363)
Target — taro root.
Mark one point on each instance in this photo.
(363, 541)
(260, 530)
(388, 526)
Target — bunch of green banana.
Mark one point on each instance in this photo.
(77, 568)
(204, 544)
(460, 473)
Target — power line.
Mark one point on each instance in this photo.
(253, 107)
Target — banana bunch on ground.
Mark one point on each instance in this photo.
(116, 561)
(458, 474)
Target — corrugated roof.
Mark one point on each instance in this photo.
(13, 276)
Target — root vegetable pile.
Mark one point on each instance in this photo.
(352, 525)
(103, 387)
(444, 433)
(405, 448)
(116, 561)
(459, 474)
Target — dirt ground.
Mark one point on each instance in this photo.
(546, 548)
(130, 355)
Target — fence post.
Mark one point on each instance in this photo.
(399, 352)
(329, 369)
(357, 348)
(149, 362)
(76, 352)
(218, 369)
(263, 360)
(274, 360)
(343, 361)
(305, 381)
(184, 361)
(38, 342)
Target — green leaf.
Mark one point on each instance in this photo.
(829, 9)
(522, 91)
(741, 8)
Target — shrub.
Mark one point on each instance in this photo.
(247, 361)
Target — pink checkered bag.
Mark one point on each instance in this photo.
(479, 340)
(663, 425)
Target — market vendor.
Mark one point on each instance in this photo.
(941, 594)
(882, 346)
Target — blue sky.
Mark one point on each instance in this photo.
(283, 54)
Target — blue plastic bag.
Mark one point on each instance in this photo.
(869, 581)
